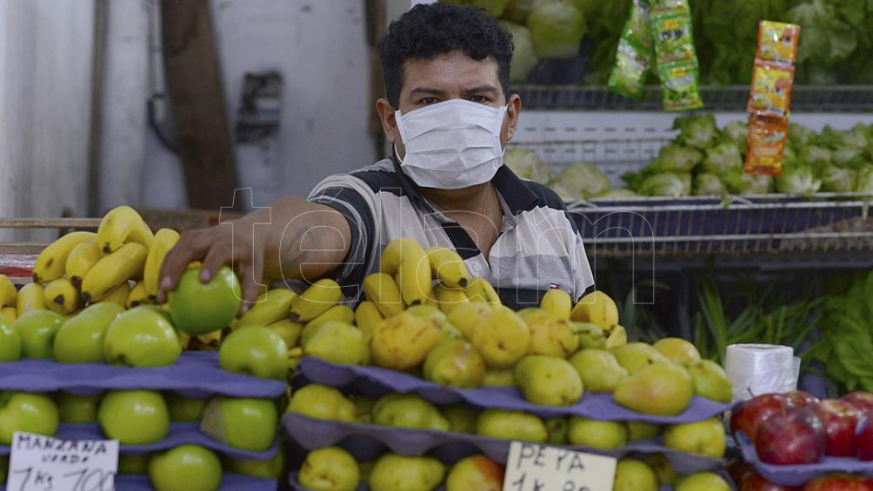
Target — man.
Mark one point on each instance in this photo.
(449, 115)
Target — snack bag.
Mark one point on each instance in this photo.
(777, 42)
(674, 40)
(664, 5)
(767, 139)
(771, 89)
(680, 85)
(635, 51)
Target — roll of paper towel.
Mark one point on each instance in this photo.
(756, 369)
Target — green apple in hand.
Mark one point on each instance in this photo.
(141, 337)
(78, 409)
(80, 338)
(256, 351)
(267, 469)
(33, 413)
(185, 409)
(184, 468)
(134, 417)
(199, 308)
(246, 424)
(10, 341)
(134, 464)
(37, 329)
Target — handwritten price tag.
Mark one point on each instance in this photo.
(534, 467)
(41, 463)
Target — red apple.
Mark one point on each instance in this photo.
(864, 438)
(755, 411)
(795, 437)
(840, 420)
(799, 398)
(757, 483)
(840, 482)
(861, 400)
(741, 471)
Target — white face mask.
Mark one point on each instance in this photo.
(451, 145)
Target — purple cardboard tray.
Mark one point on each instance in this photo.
(798, 475)
(229, 482)
(367, 441)
(180, 434)
(195, 374)
(377, 381)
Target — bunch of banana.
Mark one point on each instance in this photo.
(598, 309)
(51, 262)
(271, 306)
(123, 225)
(138, 296)
(448, 299)
(339, 313)
(367, 316)
(382, 290)
(113, 269)
(315, 300)
(81, 259)
(405, 260)
(61, 296)
(479, 290)
(448, 267)
(8, 298)
(118, 296)
(165, 239)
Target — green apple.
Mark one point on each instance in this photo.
(706, 438)
(184, 468)
(37, 329)
(199, 308)
(400, 473)
(80, 338)
(10, 341)
(247, 424)
(4, 467)
(141, 337)
(634, 475)
(267, 469)
(33, 413)
(76, 408)
(256, 351)
(604, 435)
(134, 417)
(185, 409)
(133, 464)
(329, 469)
(322, 402)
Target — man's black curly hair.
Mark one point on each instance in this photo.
(428, 30)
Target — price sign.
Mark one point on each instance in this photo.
(42, 463)
(534, 467)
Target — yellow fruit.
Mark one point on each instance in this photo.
(367, 316)
(81, 259)
(118, 296)
(447, 299)
(466, 316)
(8, 292)
(617, 337)
(30, 297)
(49, 265)
(596, 308)
(138, 296)
(405, 258)
(61, 296)
(558, 302)
(381, 289)
(447, 266)
(271, 306)
(402, 341)
(165, 239)
(11, 313)
(112, 270)
(479, 290)
(120, 226)
(320, 296)
(502, 338)
(339, 313)
(288, 330)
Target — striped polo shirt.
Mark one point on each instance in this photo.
(538, 248)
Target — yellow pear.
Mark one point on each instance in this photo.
(663, 388)
(706, 438)
(634, 475)
(599, 370)
(321, 402)
(678, 350)
(454, 363)
(596, 308)
(408, 411)
(548, 381)
(502, 338)
(636, 356)
(603, 435)
(393, 472)
(511, 425)
(639, 430)
(461, 418)
(504, 377)
(402, 341)
(711, 381)
(549, 334)
(465, 316)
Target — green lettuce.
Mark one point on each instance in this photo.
(527, 165)
(838, 180)
(697, 130)
(523, 57)
(556, 29)
(707, 184)
(582, 180)
(737, 132)
(667, 184)
(798, 180)
(722, 158)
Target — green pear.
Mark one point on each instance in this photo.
(363, 408)
(590, 336)
(329, 469)
(549, 334)
(703, 481)
(408, 411)
(33, 413)
(321, 402)
(77, 409)
(678, 350)
(502, 338)
(184, 468)
(711, 381)
(244, 423)
(10, 341)
(603, 435)
(548, 381)
(185, 409)
(476, 472)
(511, 425)
(461, 418)
(454, 363)
(636, 356)
(706, 438)
(638, 430)
(336, 342)
(667, 475)
(663, 389)
(498, 378)
(37, 329)
(634, 475)
(133, 464)
(80, 338)
(267, 469)
(438, 318)
(398, 473)
(599, 370)
(557, 428)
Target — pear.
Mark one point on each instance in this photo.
(363, 408)
(711, 381)
(336, 342)
(511, 425)
(639, 430)
(549, 334)
(548, 381)
(329, 469)
(706, 438)
(667, 475)
(393, 472)
(435, 315)
(678, 350)
(590, 336)
(499, 378)
(603, 435)
(465, 316)
(502, 338)
(402, 341)
(461, 418)
(703, 481)
(664, 389)
(636, 356)
(596, 308)
(634, 475)
(617, 337)
(476, 472)
(321, 402)
(408, 411)
(599, 370)
(557, 428)
(454, 363)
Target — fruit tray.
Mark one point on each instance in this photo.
(367, 442)
(375, 381)
(180, 434)
(195, 374)
(798, 475)
(229, 482)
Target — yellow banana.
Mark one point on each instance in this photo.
(11, 313)
(61, 296)
(405, 258)
(123, 225)
(138, 296)
(320, 296)
(50, 263)
(30, 297)
(184, 339)
(479, 290)
(448, 298)
(339, 313)
(112, 270)
(367, 316)
(8, 292)
(558, 302)
(82, 258)
(596, 308)
(447, 266)
(271, 306)
(118, 296)
(381, 289)
(210, 341)
(617, 337)
(290, 331)
(165, 239)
